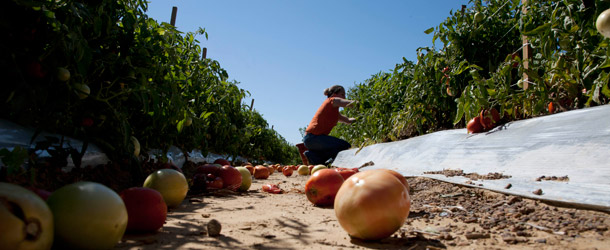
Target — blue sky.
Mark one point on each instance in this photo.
(286, 52)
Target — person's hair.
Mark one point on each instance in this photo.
(333, 90)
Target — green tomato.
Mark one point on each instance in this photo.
(318, 167)
(136, 146)
(188, 121)
(82, 90)
(170, 183)
(246, 179)
(87, 215)
(478, 17)
(63, 74)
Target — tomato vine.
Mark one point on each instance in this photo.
(478, 64)
(144, 78)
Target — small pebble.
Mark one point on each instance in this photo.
(214, 228)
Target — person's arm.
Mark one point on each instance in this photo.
(346, 120)
(345, 103)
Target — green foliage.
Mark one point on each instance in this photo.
(146, 79)
(478, 65)
(13, 159)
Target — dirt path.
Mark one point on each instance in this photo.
(442, 216)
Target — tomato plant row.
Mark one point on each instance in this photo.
(103, 71)
(478, 65)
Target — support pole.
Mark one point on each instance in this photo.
(204, 53)
(252, 104)
(174, 12)
(527, 50)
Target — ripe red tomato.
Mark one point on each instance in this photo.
(372, 205)
(474, 125)
(489, 117)
(551, 108)
(346, 172)
(214, 183)
(146, 209)
(208, 169)
(42, 193)
(169, 165)
(516, 63)
(287, 171)
(87, 122)
(261, 172)
(322, 187)
(250, 168)
(222, 162)
(231, 177)
(272, 188)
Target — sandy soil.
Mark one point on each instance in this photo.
(443, 216)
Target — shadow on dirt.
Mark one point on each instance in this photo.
(415, 243)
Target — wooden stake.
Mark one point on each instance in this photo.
(174, 12)
(204, 54)
(527, 50)
(252, 104)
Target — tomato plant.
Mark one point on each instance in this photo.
(131, 75)
(478, 49)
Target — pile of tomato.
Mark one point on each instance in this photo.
(369, 205)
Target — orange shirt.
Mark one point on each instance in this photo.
(325, 118)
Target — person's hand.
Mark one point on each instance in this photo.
(352, 104)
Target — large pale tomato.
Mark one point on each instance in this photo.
(603, 23)
(321, 188)
(246, 179)
(303, 170)
(146, 209)
(170, 183)
(317, 168)
(399, 176)
(26, 222)
(87, 215)
(372, 205)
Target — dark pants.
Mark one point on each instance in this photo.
(321, 148)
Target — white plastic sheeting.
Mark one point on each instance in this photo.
(13, 135)
(575, 144)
